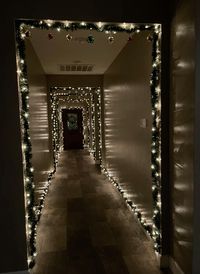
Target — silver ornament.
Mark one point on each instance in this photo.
(110, 39)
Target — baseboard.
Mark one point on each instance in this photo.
(169, 262)
(17, 272)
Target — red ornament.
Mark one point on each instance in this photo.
(130, 38)
(50, 36)
(150, 37)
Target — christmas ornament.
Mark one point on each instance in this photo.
(50, 36)
(69, 37)
(28, 33)
(130, 38)
(150, 37)
(110, 39)
(90, 39)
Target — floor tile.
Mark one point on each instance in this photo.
(86, 227)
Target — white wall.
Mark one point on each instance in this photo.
(42, 160)
(127, 99)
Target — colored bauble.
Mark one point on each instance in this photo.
(90, 39)
(28, 33)
(150, 37)
(130, 38)
(69, 37)
(50, 36)
(110, 39)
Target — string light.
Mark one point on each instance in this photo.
(33, 212)
(92, 97)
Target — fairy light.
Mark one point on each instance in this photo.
(23, 28)
(156, 137)
(71, 95)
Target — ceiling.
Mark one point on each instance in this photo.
(56, 53)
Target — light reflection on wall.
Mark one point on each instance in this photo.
(182, 122)
(39, 121)
(39, 132)
(130, 147)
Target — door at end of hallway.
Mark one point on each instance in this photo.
(72, 128)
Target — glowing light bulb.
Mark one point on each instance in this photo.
(24, 146)
(23, 35)
(99, 24)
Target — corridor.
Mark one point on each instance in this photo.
(86, 227)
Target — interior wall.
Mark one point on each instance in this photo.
(196, 228)
(128, 121)
(12, 230)
(182, 120)
(42, 160)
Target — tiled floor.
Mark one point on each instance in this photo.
(86, 228)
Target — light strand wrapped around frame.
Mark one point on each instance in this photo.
(75, 95)
(23, 28)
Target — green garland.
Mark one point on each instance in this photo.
(33, 212)
(31, 218)
(78, 92)
(156, 142)
(73, 26)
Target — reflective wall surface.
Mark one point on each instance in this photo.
(39, 125)
(182, 94)
(128, 122)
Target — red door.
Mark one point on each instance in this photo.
(72, 128)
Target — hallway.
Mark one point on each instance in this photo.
(86, 228)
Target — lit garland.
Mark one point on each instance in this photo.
(84, 122)
(84, 106)
(55, 97)
(96, 121)
(93, 151)
(107, 28)
(55, 129)
(156, 137)
(74, 95)
(99, 125)
(85, 112)
(31, 220)
(23, 28)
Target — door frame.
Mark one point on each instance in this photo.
(23, 28)
(91, 96)
(65, 112)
